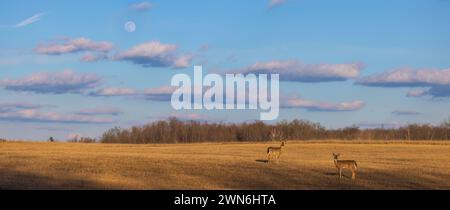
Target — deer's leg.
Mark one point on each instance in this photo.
(340, 173)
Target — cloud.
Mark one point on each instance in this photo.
(141, 7)
(405, 112)
(29, 20)
(28, 112)
(438, 81)
(183, 61)
(292, 70)
(407, 77)
(72, 46)
(33, 115)
(416, 93)
(114, 91)
(100, 111)
(55, 82)
(53, 129)
(163, 93)
(440, 91)
(13, 106)
(319, 106)
(154, 54)
(5, 107)
(89, 57)
(274, 3)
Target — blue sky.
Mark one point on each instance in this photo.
(70, 68)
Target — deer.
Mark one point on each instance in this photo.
(341, 164)
(275, 152)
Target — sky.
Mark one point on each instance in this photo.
(79, 68)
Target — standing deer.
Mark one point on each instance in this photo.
(341, 164)
(274, 152)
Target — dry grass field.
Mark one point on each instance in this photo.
(303, 165)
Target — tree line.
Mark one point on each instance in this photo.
(173, 130)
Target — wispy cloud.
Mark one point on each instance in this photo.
(80, 44)
(183, 61)
(141, 7)
(274, 3)
(155, 54)
(99, 111)
(14, 106)
(55, 82)
(28, 112)
(29, 20)
(416, 93)
(160, 93)
(33, 115)
(163, 93)
(440, 91)
(114, 91)
(321, 106)
(297, 71)
(89, 57)
(407, 77)
(438, 81)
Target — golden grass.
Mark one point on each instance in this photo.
(303, 165)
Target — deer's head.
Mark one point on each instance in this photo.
(336, 156)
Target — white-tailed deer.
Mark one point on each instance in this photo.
(341, 164)
(274, 152)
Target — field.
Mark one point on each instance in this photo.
(303, 165)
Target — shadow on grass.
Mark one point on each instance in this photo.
(262, 161)
(331, 174)
(336, 174)
(17, 180)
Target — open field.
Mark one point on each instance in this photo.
(303, 165)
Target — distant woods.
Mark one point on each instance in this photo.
(176, 131)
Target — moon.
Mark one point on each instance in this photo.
(130, 26)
